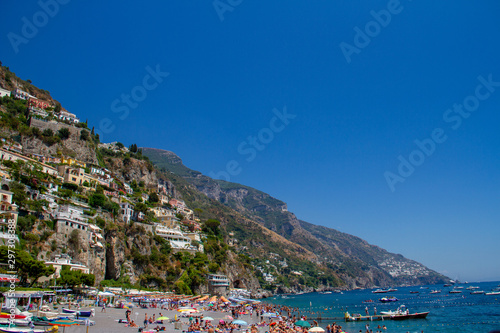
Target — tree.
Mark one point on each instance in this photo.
(74, 238)
(112, 207)
(47, 132)
(141, 207)
(153, 197)
(25, 223)
(35, 131)
(27, 267)
(213, 267)
(88, 279)
(97, 200)
(120, 145)
(70, 186)
(213, 225)
(19, 193)
(64, 133)
(58, 107)
(69, 277)
(84, 135)
(133, 148)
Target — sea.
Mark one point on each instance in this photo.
(449, 312)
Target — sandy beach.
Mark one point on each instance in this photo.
(108, 321)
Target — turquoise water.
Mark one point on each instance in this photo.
(450, 313)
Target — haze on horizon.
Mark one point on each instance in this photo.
(378, 119)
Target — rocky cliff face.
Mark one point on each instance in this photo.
(73, 146)
(78, 248)
(133, 169)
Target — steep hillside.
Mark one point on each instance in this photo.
(351, 258)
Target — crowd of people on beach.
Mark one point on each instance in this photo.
(263, 317)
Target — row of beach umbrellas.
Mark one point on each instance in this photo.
(300, 323)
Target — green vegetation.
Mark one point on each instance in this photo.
(27, 267)
(74, 278)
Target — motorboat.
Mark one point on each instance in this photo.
(493, 293)
(388, 299)
(416, 315)
(400, 310)
(380, 291)
(435, 292)
(477, 292)
(455, 291)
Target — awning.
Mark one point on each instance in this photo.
(8, 279)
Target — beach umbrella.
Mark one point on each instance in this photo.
(187, 310)
(302, 323)
(240, 322)
(207, 318)
(316, 329)
(64, 323)
(270, 315)
(228, 317)
(163, 318)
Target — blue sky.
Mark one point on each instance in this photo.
(356, 102)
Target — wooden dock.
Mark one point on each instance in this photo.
(348, 317)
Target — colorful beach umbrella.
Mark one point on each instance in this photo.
(163, 318)
(207, 318)
(240, 322)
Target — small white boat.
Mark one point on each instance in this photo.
(454, 291)
(477, 292)
(472, 288)
(17, 322)
(49, 314)
(493, 293)
(380, 291)
(20, 330)
(435, 292)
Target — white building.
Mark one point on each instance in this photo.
(69, 218)
(128, 189)
(268, 277)
(20, 94)
(176, 238)
(217, 280)
(71, 117)
(4, 92)
(65, 260)
(127, 210)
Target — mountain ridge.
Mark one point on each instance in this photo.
(359, 263)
